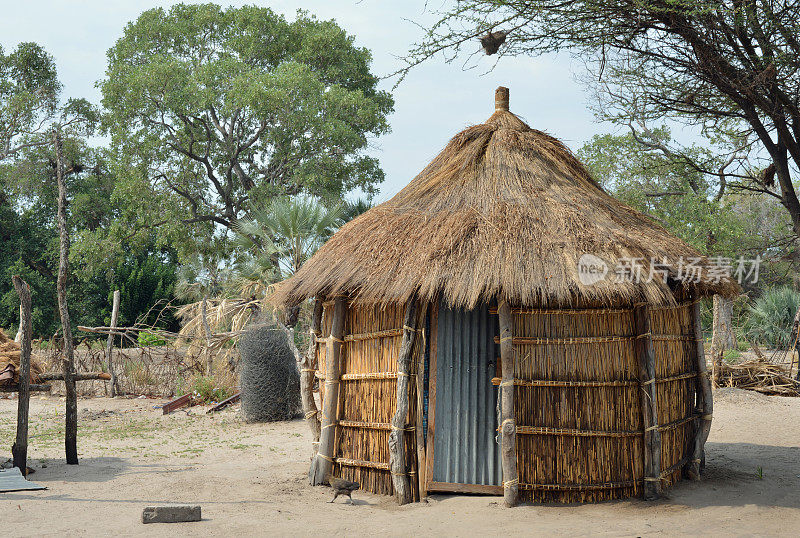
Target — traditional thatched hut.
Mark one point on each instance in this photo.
(495, 266)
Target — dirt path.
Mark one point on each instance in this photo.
(250, 480)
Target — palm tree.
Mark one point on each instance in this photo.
(278, 239)
(355, 208)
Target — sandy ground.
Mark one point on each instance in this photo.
(250, 480)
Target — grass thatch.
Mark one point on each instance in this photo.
(503, 210)
(10, 356)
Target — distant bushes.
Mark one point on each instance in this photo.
(769, 321)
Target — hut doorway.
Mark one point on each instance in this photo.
(466, 456)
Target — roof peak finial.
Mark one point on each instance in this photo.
(501, 98)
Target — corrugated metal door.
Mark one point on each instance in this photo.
(465, 450)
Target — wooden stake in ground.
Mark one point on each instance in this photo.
(207, 335)
(647, 379)
(705, 400)
(308, 366)
(110, 344)
(71, 415)
(397, 462)
(20, 449)
(508, 423)
(322, 465)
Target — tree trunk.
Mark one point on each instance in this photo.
(508, 424)
(649, 404)
(308, 367)
(20, 448)
(110, 345)
(71, 415)
(722, 337)
(705, 401)
(323, 461)
(397, 451)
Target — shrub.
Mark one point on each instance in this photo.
(205, 389)
(731, 356)
(771, 317)
(147, 339)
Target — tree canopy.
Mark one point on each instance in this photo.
(729, 68)
(212, 110)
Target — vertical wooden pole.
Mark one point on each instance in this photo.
(508, 424)
(397, 463)
(432, 381)
(110, 345)
(20, 449)
(71, 414)
(649, 404)
(308, 367)
(705, 400)
(18, 337)
(207, 336)
(420, 433)
(323, 461)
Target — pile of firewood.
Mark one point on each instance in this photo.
(761, 376)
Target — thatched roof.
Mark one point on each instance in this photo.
(503, 210)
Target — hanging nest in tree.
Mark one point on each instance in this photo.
(491, 42)
(9, 362)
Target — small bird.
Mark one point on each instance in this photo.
(341, 486)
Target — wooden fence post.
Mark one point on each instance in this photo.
(110, 344)
(508, 424)
(20, 449)
(397, 463)
(649, 404)
(308, 367)
(705, 399)
(323, 461)
(209, 358)
(18, 337)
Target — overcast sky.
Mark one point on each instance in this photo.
(434, 102)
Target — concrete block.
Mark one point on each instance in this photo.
(172, 513)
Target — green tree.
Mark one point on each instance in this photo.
(29, 90)
(692, 205)
(211, 110)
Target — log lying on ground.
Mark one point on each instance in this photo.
(86, 376)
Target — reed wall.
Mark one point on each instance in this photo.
(577, 401)
(368, 396)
